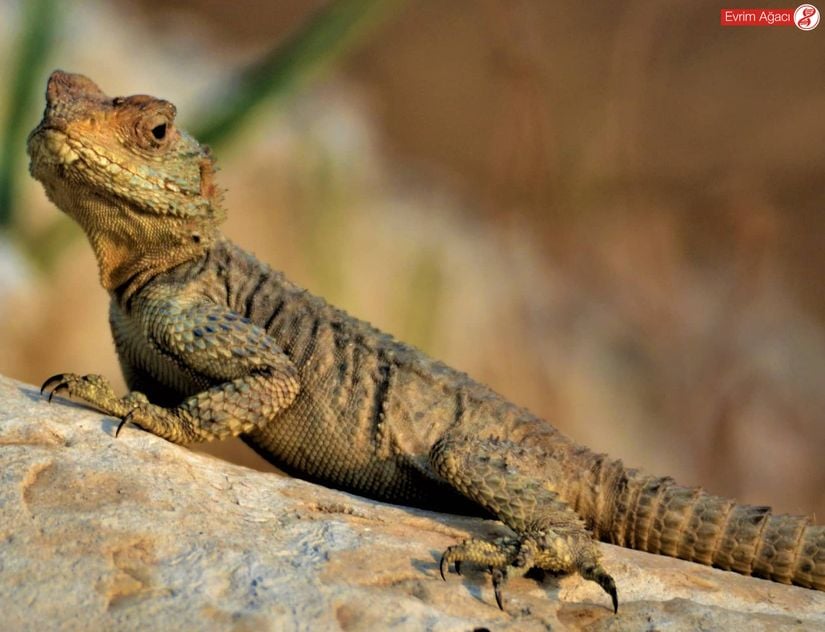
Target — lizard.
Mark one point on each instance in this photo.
(213, 343)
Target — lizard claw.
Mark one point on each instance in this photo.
(601, 577)
(444, 565)
(609, 587)
(53, 379)
(499, 577)
(123, 422)
(53, 385)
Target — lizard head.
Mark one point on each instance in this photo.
(141, 189)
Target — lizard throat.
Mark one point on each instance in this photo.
(131, 245)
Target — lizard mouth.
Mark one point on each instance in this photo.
(50, 153)
(52, 143)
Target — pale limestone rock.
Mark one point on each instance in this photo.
(135, 533)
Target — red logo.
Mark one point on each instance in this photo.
(805, 17)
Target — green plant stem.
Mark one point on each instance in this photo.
(38, 28)
(328, 34)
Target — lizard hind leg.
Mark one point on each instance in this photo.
(548, 534)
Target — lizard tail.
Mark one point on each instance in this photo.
(656, 515)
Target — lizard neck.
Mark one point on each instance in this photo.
(131, 245)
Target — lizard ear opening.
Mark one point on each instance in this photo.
(209, 189)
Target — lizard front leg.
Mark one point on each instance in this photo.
(248, 378)
(548, 534)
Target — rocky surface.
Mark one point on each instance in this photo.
(137, 533)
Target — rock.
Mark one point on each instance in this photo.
(137, 533)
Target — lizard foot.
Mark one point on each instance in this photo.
(94, 390)
(514, 556)
(85, 387)
(503, 556)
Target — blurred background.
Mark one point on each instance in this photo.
(614, 214)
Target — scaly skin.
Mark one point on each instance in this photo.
(214, 344)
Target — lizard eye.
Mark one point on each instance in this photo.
(152, 121)
(154, 131)
(159, 131)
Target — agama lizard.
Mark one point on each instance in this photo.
(214, 344)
